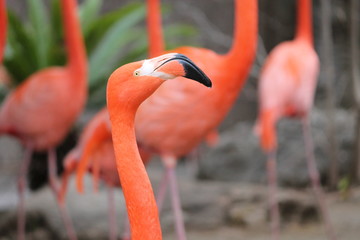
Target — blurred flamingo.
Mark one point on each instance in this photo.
(3, 27)
(4, 76)
(180, 114)
(286, 89)
(43, 108)
(95, 152)
(127, 88)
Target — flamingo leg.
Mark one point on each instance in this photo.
(314, 177)
(52, 169)
(170, 164)
(21, 190)
(160, 196)
(112, 213)
(272, 185)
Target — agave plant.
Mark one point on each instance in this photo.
(111, 40)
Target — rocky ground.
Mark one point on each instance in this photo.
(228, 203)
(212, 210)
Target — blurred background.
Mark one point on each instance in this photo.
(224, 193)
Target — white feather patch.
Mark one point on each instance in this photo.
(147, 69)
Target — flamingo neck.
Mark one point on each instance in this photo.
(3, 27)
(96, 133)
(245, 30)
(304, 21)
(155, 34)
(139, 197)
(73, 39)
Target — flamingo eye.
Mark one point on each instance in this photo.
(137, 73)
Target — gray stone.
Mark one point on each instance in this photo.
(246, 214)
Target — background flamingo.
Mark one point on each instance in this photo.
(139, 80)
(41, 111)
(3, 27)
(4, 78)
(286, 89)
(174, 127)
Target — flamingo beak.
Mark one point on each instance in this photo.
(174, 65)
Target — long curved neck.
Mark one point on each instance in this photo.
(245, 30)
(304, 21)
(155, 34)
(3, 27)
(140, 201)
(98, 134)
(73, 38)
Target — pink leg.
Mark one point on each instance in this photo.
(170, 164)
(112, 214)
(52, 168)
(314, 176)
(160, 197)
(274, 206)
(21, 189)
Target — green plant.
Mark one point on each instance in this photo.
(111, 40)
(344, 187)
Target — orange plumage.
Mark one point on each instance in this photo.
(94, 150)
(3, 28)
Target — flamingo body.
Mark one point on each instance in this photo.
(42, 109)
(163, 126)
(157, 118)
(3, 28)
(287, 85)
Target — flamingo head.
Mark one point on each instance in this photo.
(136, 81)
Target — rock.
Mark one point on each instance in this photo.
(246, 214)
(11, 154)
(37, 226)
(238, 157)
(297, 207)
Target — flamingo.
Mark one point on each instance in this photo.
(4, 78)
(127, 88)
(43, 108)
(175, 127)
(95, 148)
(286, 89)
(3, 27)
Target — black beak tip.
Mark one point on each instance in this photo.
(192, 71)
